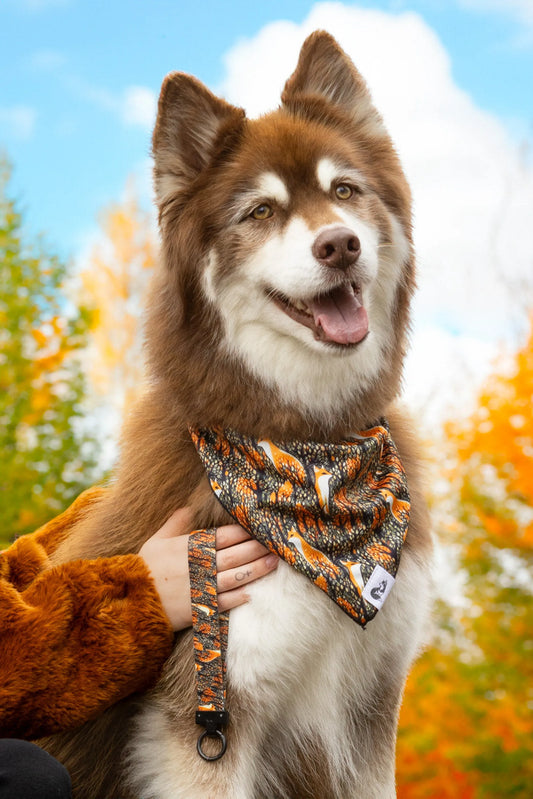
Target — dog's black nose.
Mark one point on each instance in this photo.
(337, 246)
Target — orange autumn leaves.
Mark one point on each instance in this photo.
(467, 723)
(496, 454)
(52, 348)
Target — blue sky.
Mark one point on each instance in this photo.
(65, 64)
(454, 79)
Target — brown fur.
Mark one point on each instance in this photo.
(60, 625)
(195, 382)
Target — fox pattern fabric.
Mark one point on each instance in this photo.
(338, 513)
(210, 627)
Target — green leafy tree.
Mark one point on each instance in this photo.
(46, 458)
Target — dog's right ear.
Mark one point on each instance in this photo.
(190, 122)
(326, 72)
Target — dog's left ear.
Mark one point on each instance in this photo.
(324, 71)
(191, 124)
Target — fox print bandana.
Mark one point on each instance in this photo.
(338, 513)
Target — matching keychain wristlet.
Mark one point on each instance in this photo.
(210, 630)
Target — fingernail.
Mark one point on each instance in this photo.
(272, 560)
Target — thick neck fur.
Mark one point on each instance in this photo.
(159, 469)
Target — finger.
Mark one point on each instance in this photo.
(240, 555)
(228, 600)
(232, 599)
(233, 579)
(230, 534)
(179, 523)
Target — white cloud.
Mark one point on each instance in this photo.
(441, 372)
(139, 106)
(134, 105)
(18, 121)
(473, 192)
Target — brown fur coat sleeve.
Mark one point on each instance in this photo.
(75, 638)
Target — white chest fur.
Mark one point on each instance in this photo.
(302, 667)
(292, 641)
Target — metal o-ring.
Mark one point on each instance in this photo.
(216, 734)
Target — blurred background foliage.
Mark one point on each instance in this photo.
(466, 726)
(46, 458)
(114, 283)
(467, 720)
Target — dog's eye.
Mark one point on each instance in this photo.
(262, 211)
(343, 191)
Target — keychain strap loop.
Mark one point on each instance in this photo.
(210, 630)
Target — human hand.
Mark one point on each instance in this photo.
(240, 560)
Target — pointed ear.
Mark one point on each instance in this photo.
(190, 123)
(325, 71)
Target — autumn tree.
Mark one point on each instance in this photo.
(467, 721)
(115, 277)
(45, 457)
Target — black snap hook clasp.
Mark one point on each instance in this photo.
(217, 734)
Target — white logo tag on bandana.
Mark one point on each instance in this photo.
(378, 587)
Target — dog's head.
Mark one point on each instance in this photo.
(287, 239)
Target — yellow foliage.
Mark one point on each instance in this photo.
(114, 283)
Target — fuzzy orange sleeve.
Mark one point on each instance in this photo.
(75, 638)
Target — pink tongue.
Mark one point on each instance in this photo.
(339, 316)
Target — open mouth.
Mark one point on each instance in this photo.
(337, 317)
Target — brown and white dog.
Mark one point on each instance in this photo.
(280, 310)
